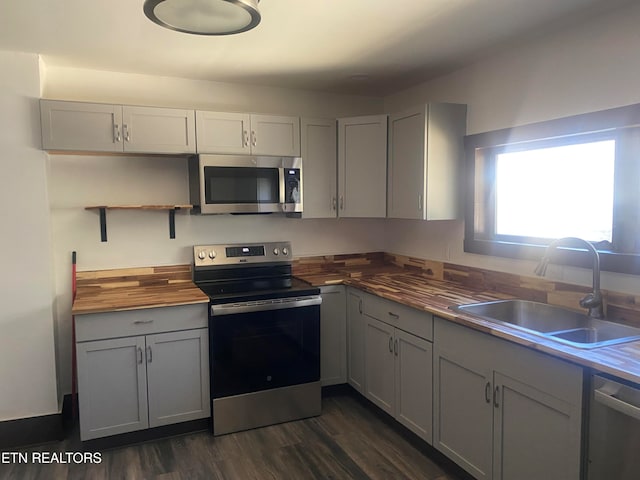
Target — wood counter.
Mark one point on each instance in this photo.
(135, 288)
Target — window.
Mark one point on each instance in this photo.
(573, 177)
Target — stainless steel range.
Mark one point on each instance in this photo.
(264, 335)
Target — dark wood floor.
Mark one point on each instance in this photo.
(349, 441)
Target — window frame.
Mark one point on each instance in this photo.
(620, 124)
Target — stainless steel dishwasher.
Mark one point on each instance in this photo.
(614, 429)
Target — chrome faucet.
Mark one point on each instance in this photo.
(593, 300)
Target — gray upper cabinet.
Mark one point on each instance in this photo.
(319, 167)
(158, 130)
(502, 411)
(425, 154)
(248, 134)
(362, 166)
(81, 126)
(94, 127)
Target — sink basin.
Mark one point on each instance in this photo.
(554, 323)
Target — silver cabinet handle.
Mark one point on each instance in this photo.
(360, 306)
(395, 347)
(127, 134)
(341, 202)
(419, 202)
(496, 397)
(149, 354)
(142, 322)
(117, 138)
(139, 355)
(254, 141)
(487, 392)
(394, 315)
(333, 203)
(391, 344)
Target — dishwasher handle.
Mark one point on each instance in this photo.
(606, 398)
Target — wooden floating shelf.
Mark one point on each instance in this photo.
(102, 209)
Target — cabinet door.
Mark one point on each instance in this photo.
(275, 135)
(222, 132)
(112, 385)
(362, 166)
(414, 383)
(158, 130)
(333, 336)
(536, 435)
(178, 376)
(407, 164)
(319, 168)
(81, 126)
(379, 364)
(446, 127)
(463, 410)
(355, 338)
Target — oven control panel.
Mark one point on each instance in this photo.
(236, 254)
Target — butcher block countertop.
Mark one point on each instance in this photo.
(421, 291)
(135, 288)
(422, 288)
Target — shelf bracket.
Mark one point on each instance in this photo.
(103, 224)
(172, 223)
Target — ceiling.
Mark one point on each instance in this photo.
(367, 47)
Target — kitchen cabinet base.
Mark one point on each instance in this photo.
(149, 434)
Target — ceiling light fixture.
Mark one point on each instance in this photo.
(204, 17)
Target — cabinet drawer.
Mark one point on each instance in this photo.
(416, 322)
(96, 326)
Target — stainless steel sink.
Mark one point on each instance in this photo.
(551, 322)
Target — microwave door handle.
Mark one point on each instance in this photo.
(282, 187)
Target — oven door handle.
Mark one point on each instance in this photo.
(265, 305)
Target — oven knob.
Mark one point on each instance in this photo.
(285, 252)
(212, 254)
(201, 255)
(276, 251)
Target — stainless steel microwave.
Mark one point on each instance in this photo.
(245, 184)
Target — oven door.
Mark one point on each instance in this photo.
(262, 345)
(240, 184)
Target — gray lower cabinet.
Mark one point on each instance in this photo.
(333, 335)
(355, 340)
(112, 387)
(131, 378)
(502, 411)
(398, 364)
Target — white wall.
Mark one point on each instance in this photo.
(593, 66)
(27, 358)
(133, 89)
(137, 238)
